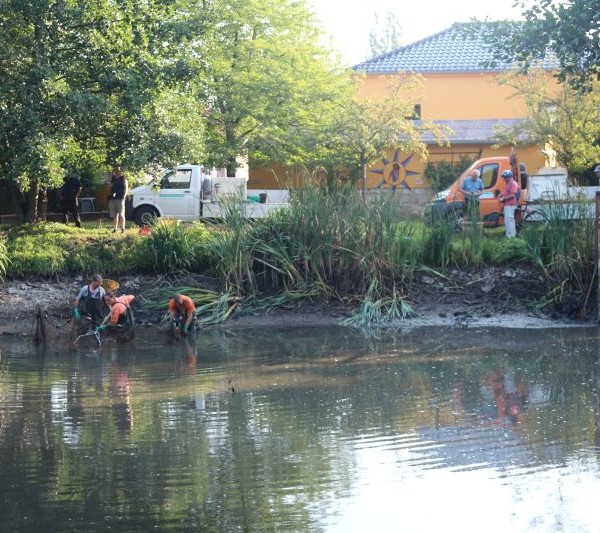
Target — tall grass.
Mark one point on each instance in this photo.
(328, 244)
(4, 258)
(232, 249)
(334, 240)
(564, 246)
(437, 246)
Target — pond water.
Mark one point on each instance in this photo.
(304, 429)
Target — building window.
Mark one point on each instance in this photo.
(416, 112)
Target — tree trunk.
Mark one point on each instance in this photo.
(32, 201)
(42, 204)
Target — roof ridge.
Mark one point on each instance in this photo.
(456, 48)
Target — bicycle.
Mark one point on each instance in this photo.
(523, 216)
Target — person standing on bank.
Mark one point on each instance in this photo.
(508, 197)
(69, 194)
(472, 187)
(116, 199)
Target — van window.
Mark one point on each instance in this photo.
(177, 179)
(489, 174)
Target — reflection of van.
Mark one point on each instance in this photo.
(451, 201)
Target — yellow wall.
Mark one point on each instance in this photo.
(411, 172)
(454, 96)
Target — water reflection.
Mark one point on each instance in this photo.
(304, 429)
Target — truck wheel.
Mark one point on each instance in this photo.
(146, 216)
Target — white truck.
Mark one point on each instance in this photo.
(191, 192)
(549, 196)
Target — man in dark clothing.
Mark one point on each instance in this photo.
(116, 199)
(69, 193)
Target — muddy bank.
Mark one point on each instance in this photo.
(503, 297)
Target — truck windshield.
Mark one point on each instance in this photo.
(177, 179)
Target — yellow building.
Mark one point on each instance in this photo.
(460, 90)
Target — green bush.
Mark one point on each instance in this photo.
(172, 246)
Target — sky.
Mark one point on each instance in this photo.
(348, 22)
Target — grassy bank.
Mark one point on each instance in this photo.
(327, 245)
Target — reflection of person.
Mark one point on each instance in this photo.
(122, 399)
(508, 197)
(185, 360)
(509, 395)
(89, 299)
(182, 312)
(116, 199)
(69, 193)
(472, 187)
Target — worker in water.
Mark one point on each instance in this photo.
(182, 314)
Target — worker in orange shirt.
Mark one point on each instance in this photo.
(119, 306)
(182, 313)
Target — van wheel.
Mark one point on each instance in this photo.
(146, 216)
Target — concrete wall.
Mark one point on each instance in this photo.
(411, 203)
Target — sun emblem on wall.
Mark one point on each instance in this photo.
(394, 172)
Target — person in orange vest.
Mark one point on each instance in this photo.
(119, 306)
(182, 313)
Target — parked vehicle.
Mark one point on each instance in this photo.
(549, 196)
(451, 202)
(544, 195)
(191, 192)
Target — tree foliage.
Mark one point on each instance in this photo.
(385, 34)
(79, 80)
(569, 31)
(267, 83)
(365, 128)
(155, 82)
(560, 117)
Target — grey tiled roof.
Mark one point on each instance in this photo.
(451, 50)
(474, 131)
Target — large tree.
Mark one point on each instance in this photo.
(79, 81)
(266, 83)
(558, 116)
(385, 34)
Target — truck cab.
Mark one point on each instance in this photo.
(452, 202)
(192, 192)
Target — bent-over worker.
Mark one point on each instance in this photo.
(182, 312)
